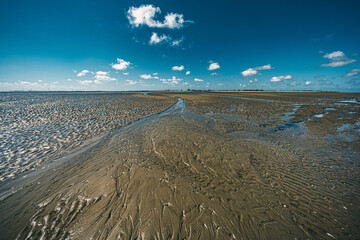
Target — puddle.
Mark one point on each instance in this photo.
(329, 109)
(320, 115)
(289, 115)
(350, 101)
(297, 127)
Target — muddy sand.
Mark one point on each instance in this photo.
(214, 166)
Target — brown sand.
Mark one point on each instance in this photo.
(190, 175)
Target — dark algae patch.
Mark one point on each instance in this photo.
(215, 165)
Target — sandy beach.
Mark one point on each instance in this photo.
(183, 165)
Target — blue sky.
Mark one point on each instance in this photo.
(160, 45)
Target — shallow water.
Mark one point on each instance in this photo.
(38, 127)
(289, 115)
(177, 175)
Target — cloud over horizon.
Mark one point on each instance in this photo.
(337, 59)
(253, 71)
(121, 64)
(82, 73)
(171, 81)
(352, 73)
(177, 68)
(213, 66)
(148, 76)
(281, 78)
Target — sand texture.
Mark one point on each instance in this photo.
(213, 166)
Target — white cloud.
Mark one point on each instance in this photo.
(85, 82)
(213, 74)
(339, 63)
(198, 80)
(188, 73)
(253, 71)
(145, 15)
(337, 59)
(82, 73)
(213, 66)
(172, 81)
(29, 83)
(265, 67)
(281, 78)
(174, 20)
(148, 76)
(126, 73)
(333, 55)
(132, 82)
(103, 76)
(155, 39)
(353, 72)
(177, 43)
(177, 68)
(121, 65)
(101, 73)
(249, 72)
(307, 83)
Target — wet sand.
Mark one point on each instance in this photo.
(40, 127)
(216, 166)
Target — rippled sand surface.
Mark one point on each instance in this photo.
(213, 167)
(38, 127)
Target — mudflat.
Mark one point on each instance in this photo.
(215, 165)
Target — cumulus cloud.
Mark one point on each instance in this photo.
(253, 71)
(155, 39)
(121, 64)
(146, 15)
(353, 72)
(102, 76)
(213, 66)
(198, 80)
(172, 81)
(281, 78)
(265, 67)
(249, 72)
(337, 59)
(148, 76)
(85, 82)
(177, 68)
(188, 73)
(293, 84)
(131, 82)
(176, 43)
(307, 83)
(29, 83)
(82, 73)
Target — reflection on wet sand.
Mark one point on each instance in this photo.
(191, 172)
